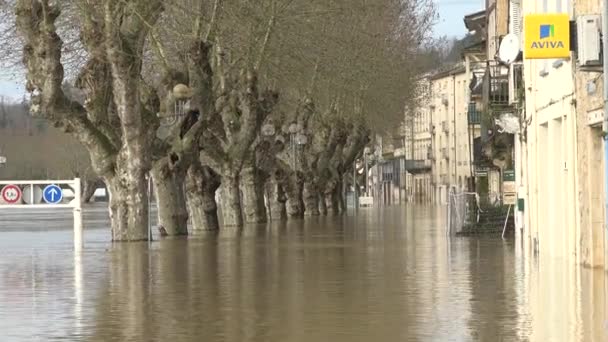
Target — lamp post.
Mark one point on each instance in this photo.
(366, 151)
(2, 161)
(180, 96)
(293, 129)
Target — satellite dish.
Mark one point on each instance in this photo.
(509, 49)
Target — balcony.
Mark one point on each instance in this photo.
(417, 166)
(497, 88)
(474, 114)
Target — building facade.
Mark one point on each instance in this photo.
(564, 164)
(449, 132)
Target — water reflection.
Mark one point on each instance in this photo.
(388, 275)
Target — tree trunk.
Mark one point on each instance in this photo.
(201, 185)
(340, 194)
(322, 204)
(231, 199)
(332, 200)
(295, 205)
(88, 188)
(170, 199)
(128, 208)
(252, 184)
(277, 199)
(311, 199)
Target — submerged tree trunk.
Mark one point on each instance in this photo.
(311, 198)
(170, 199)
(340, 194)
(89, 186)
(332, 199)
(322, 204)
(276, 200)
(128, 209)
(295, 204)
(201, 185)
(231, 199)
(252, 184)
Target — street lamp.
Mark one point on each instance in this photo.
(293, 129)
(180, 95)
(366, 151)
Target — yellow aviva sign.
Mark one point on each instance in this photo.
(547, 36)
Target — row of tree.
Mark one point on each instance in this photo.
(275, 97)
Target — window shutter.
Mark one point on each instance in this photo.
(515, 17)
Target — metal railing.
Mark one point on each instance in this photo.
(497, 88)
(474, 114)
(463, 210)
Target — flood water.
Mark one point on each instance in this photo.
(383, 275)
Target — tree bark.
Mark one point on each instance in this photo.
(339, 193)
(311, 198)
(322, 204)
(252, 184)
(277, 199)
(128, 208)
(201, 185)
(231, 199)
(332, 199)
(170, 199)
(89, 186)
(295, 204)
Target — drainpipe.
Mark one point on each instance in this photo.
(454, 133)
(605, 126)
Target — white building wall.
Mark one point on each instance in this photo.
(551, 149)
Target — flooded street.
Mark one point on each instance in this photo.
(383, 275)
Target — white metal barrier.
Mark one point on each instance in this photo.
(49, 197)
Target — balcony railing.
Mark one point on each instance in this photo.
(496, 84)
(474, 114)
(417, 166)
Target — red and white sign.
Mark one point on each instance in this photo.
(11, 194)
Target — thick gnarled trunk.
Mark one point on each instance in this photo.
(128, 209)
(295, 204)
(170, 200)
(231, 199)
(276, 199)
(201, 185)
(332, 198)
(311, 198)
(322, 205)
(252, 184)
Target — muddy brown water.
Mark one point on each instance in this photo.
(382, 275)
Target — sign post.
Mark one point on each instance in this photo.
(509, 189)
(52, 194)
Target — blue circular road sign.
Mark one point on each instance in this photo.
(52, 194)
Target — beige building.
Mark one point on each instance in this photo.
(418, 142)
(451, 145)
